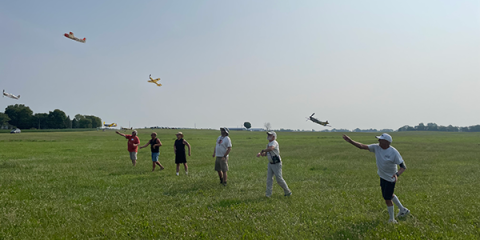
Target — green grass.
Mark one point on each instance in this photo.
(81, 185)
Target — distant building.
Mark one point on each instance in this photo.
(256, 129)
(237, 129)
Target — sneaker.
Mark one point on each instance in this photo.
(221, 180)
(392, 221)
(177, 174)
(403, 213)
(224, 183)
(288, 194)
(186, 173)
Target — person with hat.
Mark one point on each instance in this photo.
(179, 149)
(222, 148)
(133, 142)
(387, 160)
(155, 145)
(274, 165)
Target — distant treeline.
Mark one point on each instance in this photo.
(435, 127)
(21, 116)
(358, 130)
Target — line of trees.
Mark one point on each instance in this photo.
(21, 116)
(435, 127)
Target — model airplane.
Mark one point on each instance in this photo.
(126, 128)
(10, 95)
(154, 80)
(109, 125)
(71, 36)
(311, 118)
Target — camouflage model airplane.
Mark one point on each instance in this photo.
(311, 118)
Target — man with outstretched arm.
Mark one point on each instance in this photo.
(387, 160)
(133, 142)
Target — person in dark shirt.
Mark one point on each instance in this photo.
(179, 149)
(155, 145)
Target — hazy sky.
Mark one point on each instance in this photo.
(366, 64)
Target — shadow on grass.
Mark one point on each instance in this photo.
(227, 203)
(356, 231)
(9, 165)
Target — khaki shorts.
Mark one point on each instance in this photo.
(221, 165)
(133, 156)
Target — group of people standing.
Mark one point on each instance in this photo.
(387, 159)
(155, 144)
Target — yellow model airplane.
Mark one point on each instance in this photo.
(109, 125)
(154, 80)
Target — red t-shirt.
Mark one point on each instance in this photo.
(131, 141)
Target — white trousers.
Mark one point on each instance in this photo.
(275, 169)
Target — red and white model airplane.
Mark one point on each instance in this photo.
(71, 36)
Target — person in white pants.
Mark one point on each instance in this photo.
(274, 164)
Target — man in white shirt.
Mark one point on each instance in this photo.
(387, 160)
(274, 165)
(221, 151)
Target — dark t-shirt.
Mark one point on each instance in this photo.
(153, 142)
(180, 146)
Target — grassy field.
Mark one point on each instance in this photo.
(82, 185)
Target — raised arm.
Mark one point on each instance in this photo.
(119, 133)
(356, 144)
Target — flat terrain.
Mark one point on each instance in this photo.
(81, 185)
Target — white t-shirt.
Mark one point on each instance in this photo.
(275, 151)
(221, 146)
(387, 161)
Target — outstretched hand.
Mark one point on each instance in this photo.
(347, 138)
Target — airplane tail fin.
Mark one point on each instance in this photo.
(66, 34)
(18, 96)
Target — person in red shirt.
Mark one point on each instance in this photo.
(133, 142)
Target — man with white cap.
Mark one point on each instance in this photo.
(274, 164)
(387, 160)
(133, 142)
(222, 148)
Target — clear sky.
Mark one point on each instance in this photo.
(359, 64)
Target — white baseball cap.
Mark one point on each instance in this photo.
(273, 134)
(385, 136)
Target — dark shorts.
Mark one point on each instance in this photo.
(387, 189)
